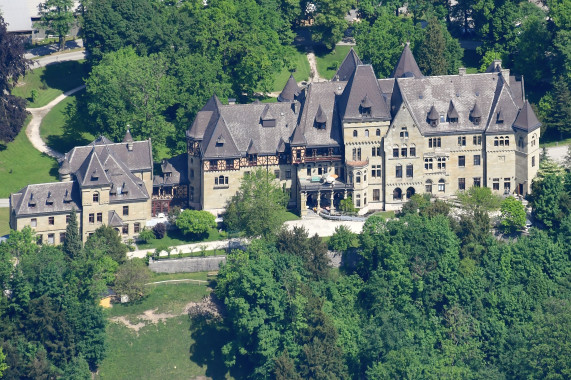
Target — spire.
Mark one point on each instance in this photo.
(290, 90)
(526, 119)
(320, 117)
(348, 66)
(407, 66)
(128, 139)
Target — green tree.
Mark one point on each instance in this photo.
(3, 365)
(195, 222)
(545, 195)
(12, 65)
(513, 215)
(107, 240)
(131, 278)
(346, 205)
(56, 16)
(533, 50)
(343, 239)
(126, 90)
(77, 369)
(330, 23)
(257, 206)
(479, 199)
(72, 245)
(312, 251)
(558, 120)
(431, 50)
(146, 235)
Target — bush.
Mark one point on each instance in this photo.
(346, 205)
(195, 222)
(145, 235)
(160, 230)
(342, 239)
(173, 214)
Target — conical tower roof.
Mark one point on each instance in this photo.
(526, 119)
(433, 114)
(128, 137)
(452, 113)
(320, 117)
(407, 66)
(290, 91)
(348, 66)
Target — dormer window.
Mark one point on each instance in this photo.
(366, 106)
(49, 199)
(320, 118)
(32, 201)
(452, 113)
(500, 117)
(268, 118)
(476, 114)
(220, 141)
(433, 117)
(95, 175)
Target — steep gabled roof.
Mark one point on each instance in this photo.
(290, 91)
(114, 219)
(281, 146)
(348, 66)
(101, 140)
(218, 142)
(526, 119)
(91, 173)
(32, 199)
(204, 119)
(267, 113)
(252, 149)
(363, 83)
(320, 116)
(452, 113)
(406, 66)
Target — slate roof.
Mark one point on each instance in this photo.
(290, 91)
(114, 220)
(406, 66)
(322, 95)
(348, 66)
(487, 90)
(363, 84)
(63, 197)
(526, 119)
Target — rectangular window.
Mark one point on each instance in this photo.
(358, 154)
(125, 229)
(67, 219)
(409, 170)
(398, 171)
(51, 220)
(191, 173)
(507, 185)
(288, 174)
(277, 174)
(441, 162)
(441, 185)
(413, 152)
(438, 142)
(125, 210)
(403, 152)
(51, 238)
(137, 228)
(358, 200)
(308, 171)
(496, 184)
(91, 218)
(373, 152)
(33, 222)
(61, 237)
(95, 197)
(395, 152)
(428, 187)
(461, 161)
(428, 163)
(477, 140)
(477, 182)
(476, 160)
(320, 170)
(461, 183)
(532, 161)
(462, 140)
(99, 217)
(434, 142)
(430, 143)
(376, 195)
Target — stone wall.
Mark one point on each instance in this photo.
(187, 264)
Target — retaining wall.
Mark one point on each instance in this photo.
(187, 264)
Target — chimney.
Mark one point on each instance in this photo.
(231, 101)
(462, 71)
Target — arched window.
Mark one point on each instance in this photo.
(366, 133)
(397, 194)
(441, 185)
(410, 192)
(378, 132)
(355, 133)
(428, 186)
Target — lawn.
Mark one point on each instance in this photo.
(21, 164)
(175, 237)
(50, 82)
(548, 142)
(176, 348)
(4, 221)
(328, 63)
(52, 128)
(301, 73)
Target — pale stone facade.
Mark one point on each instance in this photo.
(106, 183)
(378, 141)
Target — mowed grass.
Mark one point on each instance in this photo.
(471, 61)
(21, 164)
(4, 221)
(52, 128)
(177, 348)
(50, 82)
(176, 237)
(328, 63)
(301, 73)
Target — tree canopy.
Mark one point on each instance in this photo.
(195, 222)
(56, 17)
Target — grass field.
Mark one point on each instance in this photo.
(21, 164)
(176, 348)
(175, 237)
(301, 73)
(4, 221)
(327, 64)
(548, 143)
(50, 82)
(52, 131)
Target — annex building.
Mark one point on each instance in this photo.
(378, 141)
(105, 182)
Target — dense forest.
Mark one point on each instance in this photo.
(432, 296)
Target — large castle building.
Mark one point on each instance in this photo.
(378, 141)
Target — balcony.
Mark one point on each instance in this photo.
(320, 158)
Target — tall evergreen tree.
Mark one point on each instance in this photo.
(559, 119)
(72, 244)
(431, 52)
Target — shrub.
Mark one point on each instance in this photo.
(160, 230)
(145, 235)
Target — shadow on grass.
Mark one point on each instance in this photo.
(65, 75)
(209, 338)
(64, 143)
(3, 147)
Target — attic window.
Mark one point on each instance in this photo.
(433, 117)
(95, 175)
(49, 199)
(269, 123)
(32, 202)
(366, 107)
(220, 140)
(320, 119)
(268, 118)
(500, 117)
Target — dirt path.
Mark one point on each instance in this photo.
(38, 114)
(314, 76)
